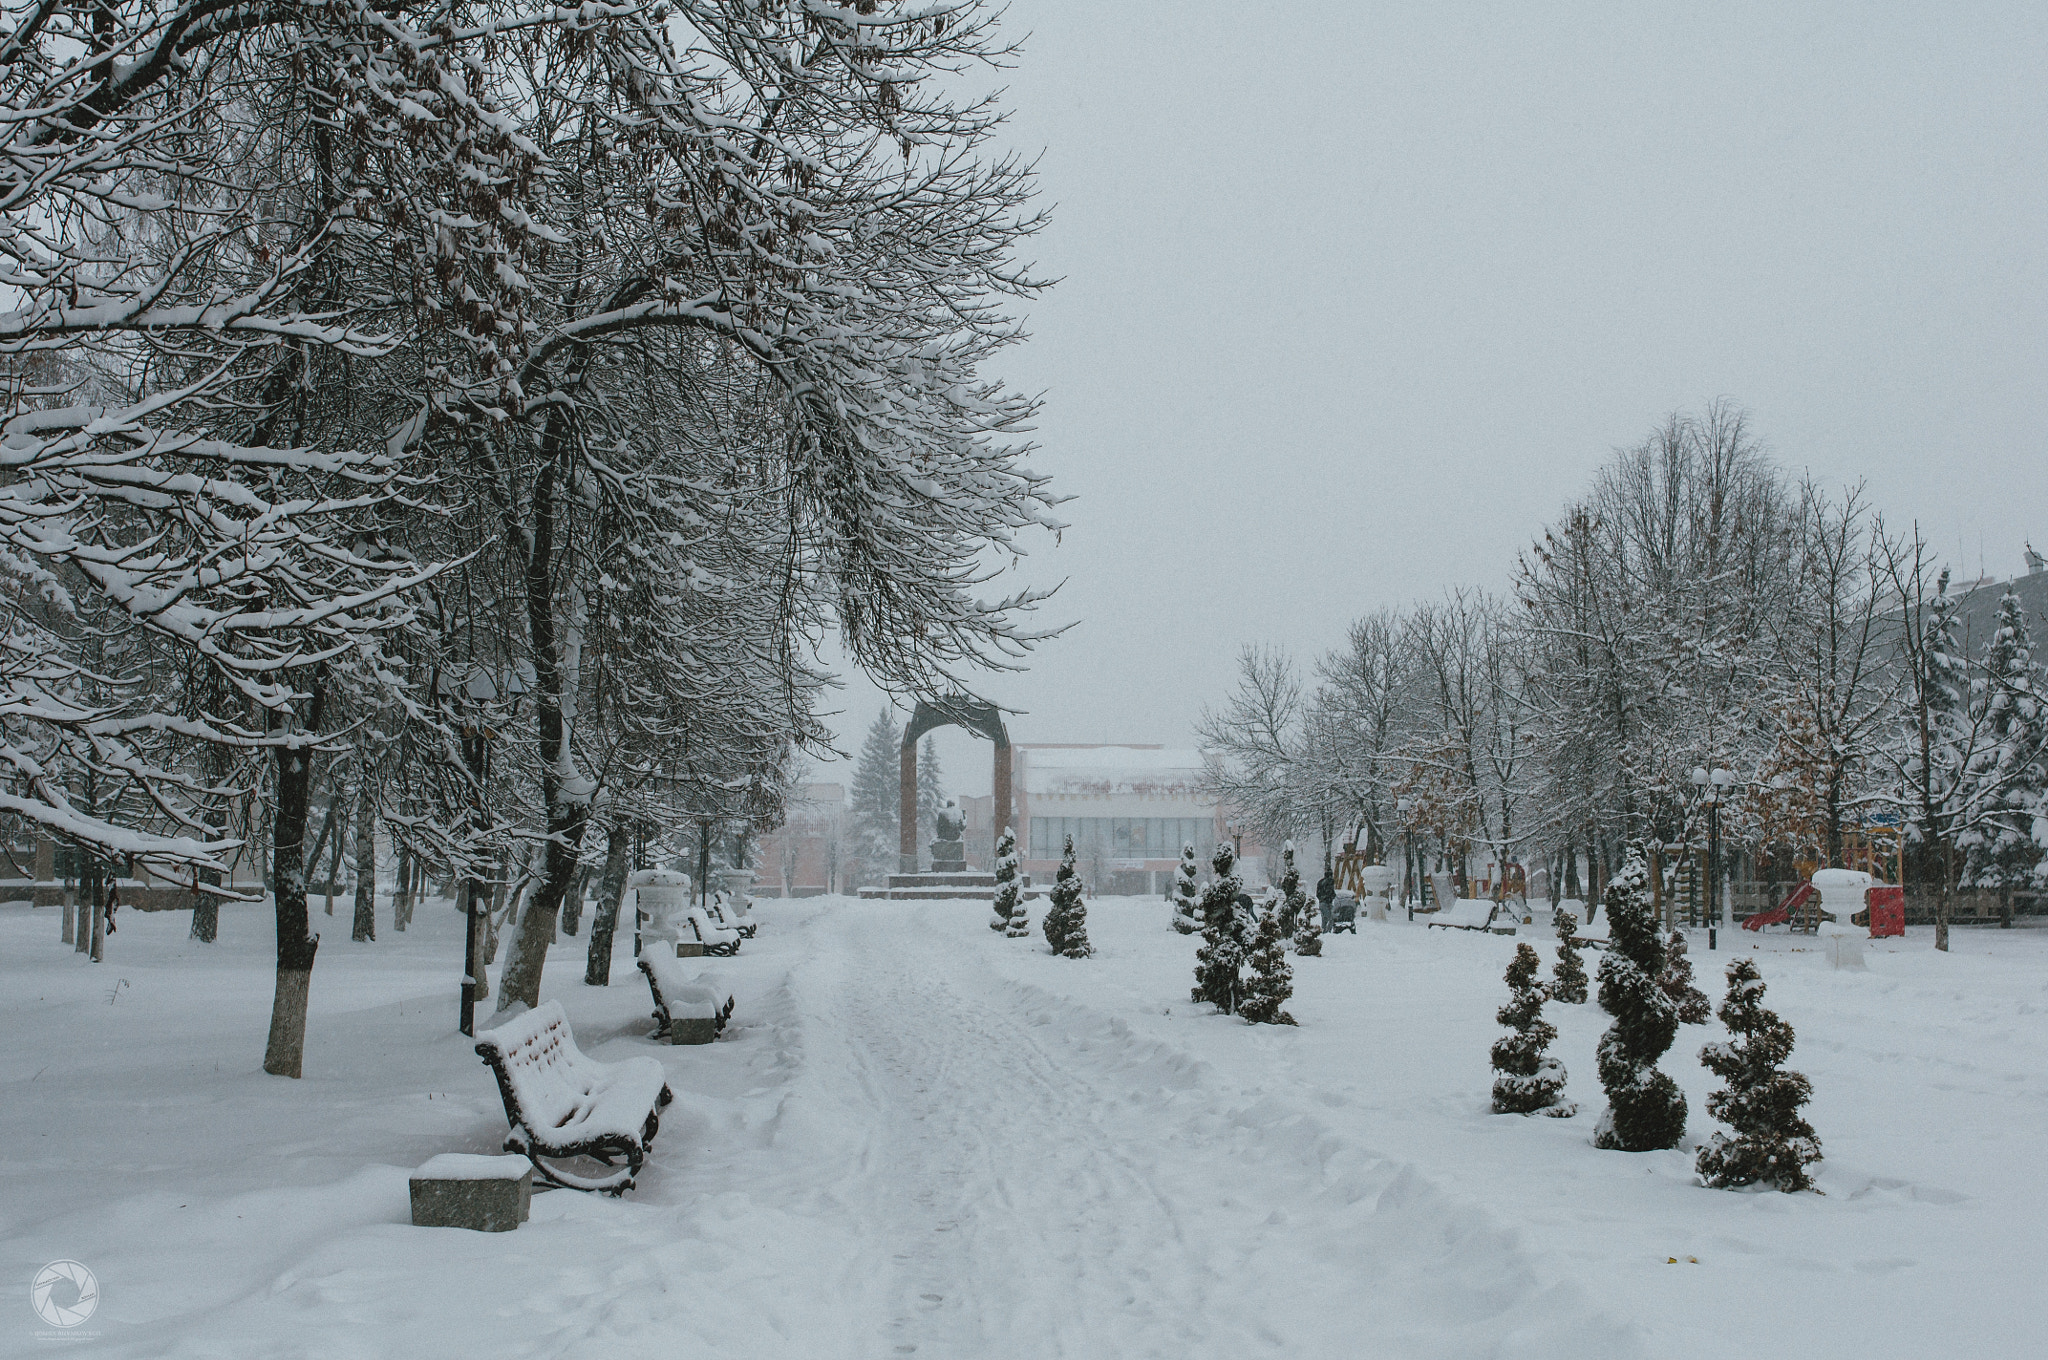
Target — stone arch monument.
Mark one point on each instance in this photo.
(977, 716)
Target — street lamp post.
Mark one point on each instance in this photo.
(1713, 787)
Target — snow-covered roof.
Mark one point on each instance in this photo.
(1105, 770)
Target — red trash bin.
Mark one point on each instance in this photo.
(1887, 909)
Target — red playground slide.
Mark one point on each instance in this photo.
(1780, 914)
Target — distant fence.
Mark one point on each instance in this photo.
(1966, 906)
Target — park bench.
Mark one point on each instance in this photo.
(716, 939)
(563, 1105)
(1477, 913)
(733, 910)
(677, 998)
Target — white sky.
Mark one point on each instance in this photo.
(1355, 296)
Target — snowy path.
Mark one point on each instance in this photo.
(1032, 1179)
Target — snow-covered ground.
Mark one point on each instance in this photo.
(922, 1138)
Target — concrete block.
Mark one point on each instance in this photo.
(692, 1031)
(467, 1190)
(689, 949)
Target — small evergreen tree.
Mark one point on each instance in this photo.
(1688, 1002)
(1773, 1143)
(1224, 940)
(1291, 896)
(1307, 926)
(1066, 920)
(1568, 980)
(1020, 921)
(1187, 894)
(1528, 1079)
(1009, 892)
(1645, 1108)
(1261, 996)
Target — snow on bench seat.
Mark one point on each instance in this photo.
(1476, 913)
(676, 997)
(563, 1104)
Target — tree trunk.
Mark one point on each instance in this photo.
(500, 876)
(296, 942)
(364, 928)
(572, 905)
(312, 862)
(611, 892)
(206, 906)
(99, 917)
(520, 981)
(1941, 898)
(70, 935)
(401, 889)
(568, 809)
(83, 941)
(334, 857)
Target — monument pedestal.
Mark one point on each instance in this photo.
(967, 886)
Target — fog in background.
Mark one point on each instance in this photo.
(1354, 297)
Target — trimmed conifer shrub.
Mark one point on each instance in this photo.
(1262, 994)
(1187, 893)
(1526, 1078)
(1688, 1002)
(1645, 1108)
(1224, 940)
(1290, 890)
(1066, 920)
(1009, 892)
(1773, 1144)
(1568, 979)
(1301, 919)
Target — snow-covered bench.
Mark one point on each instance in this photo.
(678, 998)
(716, 939)
(562, 1104)
(1477, 913)
(736, 912)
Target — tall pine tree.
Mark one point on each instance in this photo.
(2007, 772)
(1645, 1108)
(931, 795)
(874, 803)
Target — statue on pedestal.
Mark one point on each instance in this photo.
(948, 855)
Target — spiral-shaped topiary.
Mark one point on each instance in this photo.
(1773, 1143)
(1568, 979)
(1066, 920)
(1645, 1108)
(1187, 896)
(1527, 1078)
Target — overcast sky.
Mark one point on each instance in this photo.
(1353, 297)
